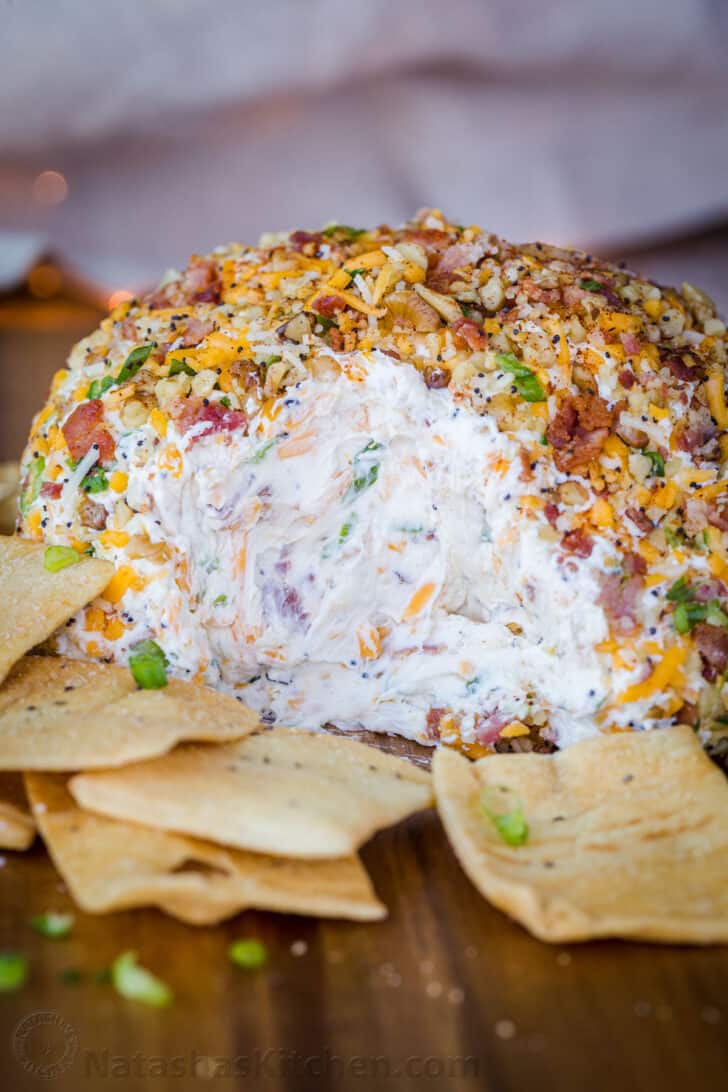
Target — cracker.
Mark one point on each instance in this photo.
(17, 829)
(35, 602)
(60, 714)
(628, 837)
(304, 794)
(110, 865)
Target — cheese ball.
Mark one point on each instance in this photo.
(414, 480)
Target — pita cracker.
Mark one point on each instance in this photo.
(628, 837)
(60, 714)
(17, 829)
(110, 865)
(35, 602)
(305, 794)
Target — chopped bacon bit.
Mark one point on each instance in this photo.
(328, 306)
(84, 428)
(717, 513)
(470, 334)
(200, 283)
(488, 726)
(92, 515)
(196, 330)
(578, 430)
(213, 417)
(620, 591)
(632, 346)
(128, 330)
(677, 367)
(456, 257)
(430, 239)
(627, 378)
(307, 242)
(712, 643)
(432, 723)
(709, 589)
(641, 521)
(51, 489)
(552, 513)
(578, 542)
(694, 437)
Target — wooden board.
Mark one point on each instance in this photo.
(447, 993)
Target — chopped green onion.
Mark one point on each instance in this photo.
(675, 536)
(658, 463)
(472, 684)
(591, 286)
(99, 387)
(178, 366)
(274, 359)
(95, 481)
(138, 984)
(511, 825)
(35, 480)
(148, 665)
(134, 361)
(349, 233)
(52, 925)
(225, 402)
(71, 976)
(263, 450)
(248, 953)
(410, 530)
(688, 614)
(325, 323)
(13, 971)
(60, 557)
(680, 591)
(348, 527)
(354, 273)
(220, 601)
(715, 614)
(366, 472)
(525, 381)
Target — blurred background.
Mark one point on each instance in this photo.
(134, 133)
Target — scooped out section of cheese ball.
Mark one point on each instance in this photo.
(414, 480)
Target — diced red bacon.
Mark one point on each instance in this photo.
(712, 644)
(432, 723)
(631, 343)
(697, 436)
(620, 592)
(430, 239)
(641, 521)
(200, 283)
(709, 589)
(306, 242)
(552, 513)
(488, 726)
(328, 306)
(682, 371)
(627, 378)
(195, 331)
(467, 332)
(457, 257)
(577, 542)
(578, 430)
(84, 428)
(51, 489)
(717, 512)
(536, 293)
(212, 417)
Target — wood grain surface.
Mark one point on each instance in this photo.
(446, 994)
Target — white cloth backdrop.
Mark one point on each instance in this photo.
(183, 123)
